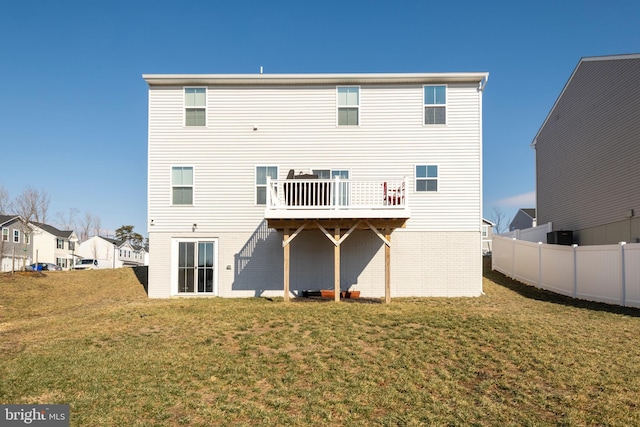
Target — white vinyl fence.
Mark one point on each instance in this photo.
(603, 273)
(533, 234)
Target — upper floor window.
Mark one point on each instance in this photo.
(27, 238)
(348, 106)
(426, 178)
(485, 231)
(60, 243)
(16, 236)
(182, 185)
(195, 106)
(262, 172)
(435, 105)
(72, 246)
(5, 234)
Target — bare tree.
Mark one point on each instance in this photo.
(97, 224)
(31, 205)
(85, 224)
(499, 218)
(4, 201)
(67, 220)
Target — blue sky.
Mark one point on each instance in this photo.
(73, 106)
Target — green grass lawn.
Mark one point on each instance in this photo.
(515, 356)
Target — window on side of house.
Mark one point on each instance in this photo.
(426, 178)
(27, 238)
(262, 172)
(435, 105)
(485, 231)
(195, 106)
(182, 185)
(16, 236)
(72, 246)
(5, 234)
(348, 105)
(60, 243)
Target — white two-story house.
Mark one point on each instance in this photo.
(272, 185)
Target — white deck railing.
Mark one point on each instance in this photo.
(313, 194)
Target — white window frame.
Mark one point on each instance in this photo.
(256, 185)
(192, 186)
(186, 107)
(357, 107)
(5, 234)
(425, 105)
(16, 236)
(426, 178)
(59, 243)
(174, 266)
(485, 231)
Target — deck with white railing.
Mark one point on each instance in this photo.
(337, 199)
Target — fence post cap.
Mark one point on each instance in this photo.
(622, 243)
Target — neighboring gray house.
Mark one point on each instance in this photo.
(588, 153)
(523, 219)
(16, 246)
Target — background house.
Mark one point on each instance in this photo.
(587, 153)
(487, 236)
(112, 253)
(53, 245)
(384, 197)
(16, 245)
(523, 219)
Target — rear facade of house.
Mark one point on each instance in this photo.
(362, 182)
(587, 153)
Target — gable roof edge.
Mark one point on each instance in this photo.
(583, 59)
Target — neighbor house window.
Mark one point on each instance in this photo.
(61, 262)
(485, 231)
(5, 234)
(16, 236)
(262, 172)
(435, 105)
(27, 238)
(195, 106)
(59, 243)
(182, 185)
(72, 246)
(426, 178)
(348, 106)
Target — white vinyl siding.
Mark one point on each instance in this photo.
(296, 129)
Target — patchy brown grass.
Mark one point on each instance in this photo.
(515, 356)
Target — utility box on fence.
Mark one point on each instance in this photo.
(560, 237)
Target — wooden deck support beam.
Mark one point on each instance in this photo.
(336, 266)
(286, 249)
(387, 267)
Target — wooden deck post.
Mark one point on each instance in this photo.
(387, 267)
(336, 266)
(286, 264)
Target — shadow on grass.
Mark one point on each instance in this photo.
(142, 274)
(547, 296)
